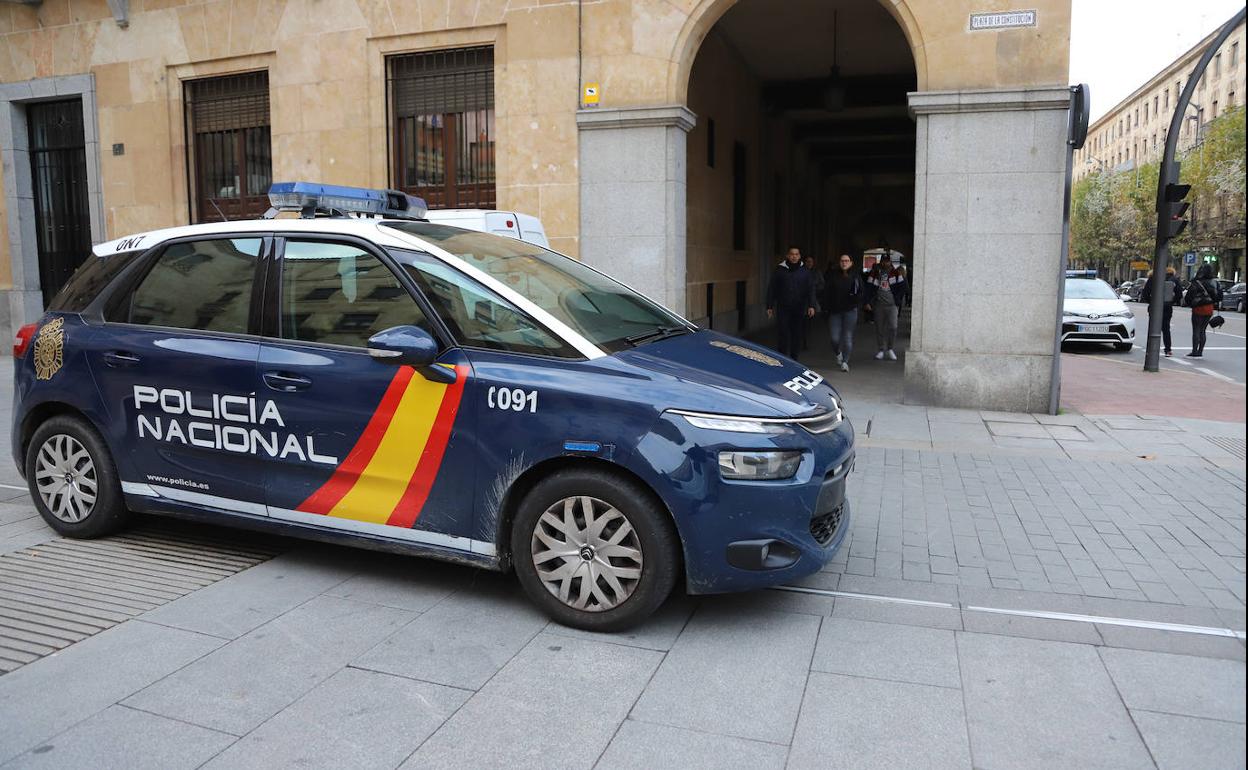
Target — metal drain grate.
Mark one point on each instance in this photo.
(1234, 446)
(62, 591)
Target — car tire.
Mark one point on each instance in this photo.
(556, 552)
(67, 452)
(1239, 308)
(1123, 347)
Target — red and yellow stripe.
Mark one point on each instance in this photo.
(387, 475)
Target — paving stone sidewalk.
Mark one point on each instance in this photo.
(903, 652)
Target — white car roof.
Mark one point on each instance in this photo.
(369, 229)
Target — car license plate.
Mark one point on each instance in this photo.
(1093, 327)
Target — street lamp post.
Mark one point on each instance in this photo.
(1170, 195)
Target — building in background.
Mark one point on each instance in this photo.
(1133, 135)
(723, 131)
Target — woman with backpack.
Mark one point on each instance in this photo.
(886, 290)
(1203, 296)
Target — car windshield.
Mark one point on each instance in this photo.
(607, 313)
(1083, 288)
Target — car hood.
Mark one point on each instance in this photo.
(764, 383)
(1087, 307)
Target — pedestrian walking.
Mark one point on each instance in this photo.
(812, 266)
(1203, 297)
(844, 293)
(791, 300)
(1171, 292)
(886, 290)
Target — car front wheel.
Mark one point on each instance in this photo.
(72, 479)
(594, 551)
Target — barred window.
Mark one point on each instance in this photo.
(230, 154)
(442, 126)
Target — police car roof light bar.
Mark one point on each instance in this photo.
(311, 198)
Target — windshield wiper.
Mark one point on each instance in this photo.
(654, 335)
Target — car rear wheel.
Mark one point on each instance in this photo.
(594, 551)
(72, 479)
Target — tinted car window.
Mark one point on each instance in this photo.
(475, 315)
(602, 310)
(89, 280)
(199, 285)
(338, 294)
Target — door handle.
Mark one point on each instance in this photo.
(286, 383)
(120, 358)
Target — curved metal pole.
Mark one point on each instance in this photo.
(1169, 173)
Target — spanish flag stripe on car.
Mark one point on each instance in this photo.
(394, 471)
(413, 499)
(324, 499)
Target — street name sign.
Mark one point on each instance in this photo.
(1002, 20)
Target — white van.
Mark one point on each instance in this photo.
(509, 223)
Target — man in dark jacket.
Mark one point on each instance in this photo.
(1171, 292)
(791, 300)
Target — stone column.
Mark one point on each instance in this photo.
(632, 180)
(989, 180)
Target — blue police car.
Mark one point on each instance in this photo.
(358, 374)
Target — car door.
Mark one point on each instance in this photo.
(175, 362)
(356, 443)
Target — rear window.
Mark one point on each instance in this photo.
(89, 280)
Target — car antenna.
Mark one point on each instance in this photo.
(219, 211)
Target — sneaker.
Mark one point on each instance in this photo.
(844, 366)
(879, 356)
(839, 362)
(1167, 354)
(891, 355)
(1193, 354)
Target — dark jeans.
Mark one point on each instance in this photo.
(1199, 324)
(1166, 314)
(791, 324)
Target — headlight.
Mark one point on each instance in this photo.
(1122, 314)
(759, 466)
(734, 424)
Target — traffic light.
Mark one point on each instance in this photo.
(1174, 207)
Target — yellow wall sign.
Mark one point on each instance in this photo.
(590, 97)
(1140, 264)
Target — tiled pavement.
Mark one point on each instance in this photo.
(331, 657)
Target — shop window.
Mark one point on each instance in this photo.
(231, 159)
(442, 126)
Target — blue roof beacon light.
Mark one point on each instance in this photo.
(310, 198)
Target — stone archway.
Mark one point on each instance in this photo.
(706, 13)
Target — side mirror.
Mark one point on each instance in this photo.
(412, 346)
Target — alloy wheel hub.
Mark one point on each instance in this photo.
(587, 553)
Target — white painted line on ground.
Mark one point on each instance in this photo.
(1212, 373)
(1155, 625)
(868, 597)
(11, 486)
(1209, 348)
(1182, 628)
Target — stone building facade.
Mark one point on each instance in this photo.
(1134, 131)
(724, 130)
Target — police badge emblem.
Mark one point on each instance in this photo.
(50, 349)
(745, 352)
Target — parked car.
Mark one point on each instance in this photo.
(1233, 298)
(1093, 312)
(511, 224)
(1123, 287)
(1136, 288)
(390, 383)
